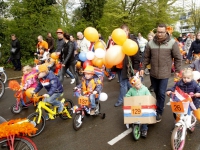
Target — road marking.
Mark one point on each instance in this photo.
(168, 104)
(119, 137)
(6, 87)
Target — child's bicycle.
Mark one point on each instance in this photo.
(186, 120)
(84, 109)
(12, 134)
(38, 119)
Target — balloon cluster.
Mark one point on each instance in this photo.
(114, 55)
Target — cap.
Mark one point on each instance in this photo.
(42, 68)
(59, 31)
(89, 69)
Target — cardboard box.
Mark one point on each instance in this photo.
(140, 109)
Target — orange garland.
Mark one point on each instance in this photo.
(14, 85)
(16, 127)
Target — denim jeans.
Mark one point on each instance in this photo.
(144, 127)
(92, 100)
(52, 100)
(69, 73)
(160, 87)
(124, 87)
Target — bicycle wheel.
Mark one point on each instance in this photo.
(19, 144)
(176, 142)
(16, 110)
(3, 76)
(68, 104)
(2, 88)
(2, 120)
(78, 122)
(33, 118)
(136, 132)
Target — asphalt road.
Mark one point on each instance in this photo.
(95, 132)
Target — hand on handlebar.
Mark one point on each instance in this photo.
(94, 92)
(46, 95)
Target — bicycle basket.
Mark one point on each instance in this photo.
(83, 100)
(179, 107)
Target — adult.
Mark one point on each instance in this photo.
(142, 43)
(75, 45)
(180, 38)
(50, 41)
(83, 43)
(159, 53)
(42, 43)
(15, 53)
(67, 59)
(124, 73)
(60, 41)
(194, 48)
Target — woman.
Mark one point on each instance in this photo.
(67, 59)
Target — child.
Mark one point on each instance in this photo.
(138, 89)
(187, 85)
(91, 84)
(195, 64)
(53, 86)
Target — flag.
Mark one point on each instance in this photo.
(180, 95)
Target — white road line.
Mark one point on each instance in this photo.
(168, 104)
(6, 87)
(119, 137)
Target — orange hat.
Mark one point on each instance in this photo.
(54, 55)
(89, 69)
(43, 68)
(59, 31)
(135, 80)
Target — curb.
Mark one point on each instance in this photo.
(15, 78)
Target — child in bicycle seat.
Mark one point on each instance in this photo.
(189, 86)
(138, 89)
(51, 83)
(91, 84)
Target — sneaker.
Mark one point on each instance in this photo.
(151, 88)
(47, 117)
(118, 104)
(158, 118)
(111, 77)
(92, 111)
(60, 109)
(144, 133)
(24, 106)
(72, 81)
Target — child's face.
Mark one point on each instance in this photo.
(88, 75)
(138, 86)
(25, 72)
(187, 78)
(42, 74)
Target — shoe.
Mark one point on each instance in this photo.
(47, 117)
(158, 118)
(144, 133)
(92, 111)
(118, 104)
(111, 77)
(151, 89)
(24, 106)
(118, 81)
(72, 81)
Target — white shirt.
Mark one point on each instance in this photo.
(83, 45)
(142, 43)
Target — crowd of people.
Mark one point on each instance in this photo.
(157, 53)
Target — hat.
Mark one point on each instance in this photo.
(89, 69)
(59, 31)
(135, 80)
(42, 68)
(54, 55)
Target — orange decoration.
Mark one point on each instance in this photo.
(94, 60)
(14, 85)
(99, 62)
(100, 44)
(170, 29)
(16, 127)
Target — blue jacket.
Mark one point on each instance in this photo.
(186, 87)
(194, 48)
(51, 84)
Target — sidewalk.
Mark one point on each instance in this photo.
(11, 74)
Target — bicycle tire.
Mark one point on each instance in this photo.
(13, 109)
(176, 144)
(77, 125)
(3, 77)
(2, 88)
(33, 119)
(136, 132)
(20, 142)
(68, 104)
(2, 120)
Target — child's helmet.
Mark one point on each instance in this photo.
(54, 55)
(89, 69)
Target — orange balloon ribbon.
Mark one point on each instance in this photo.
(16, 127)
(14, 85)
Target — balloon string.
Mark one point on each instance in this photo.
(130, 65)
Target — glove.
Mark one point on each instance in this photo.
(94, 92)
(85, 92)
(46, 95)
(75, 88)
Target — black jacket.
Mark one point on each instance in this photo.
(67, 54)
(16, 44)
(194, 48)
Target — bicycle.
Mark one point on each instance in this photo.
(83, 110)
(3, 75)
(186, 121)
(38, 119)
(2, 88)
(16, 140)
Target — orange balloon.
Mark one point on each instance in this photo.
(91, 34)
(99, 62)
(119, 36)
(114, 55)
(130, 47)
(108, 66)
(94, 60)
(100, 44)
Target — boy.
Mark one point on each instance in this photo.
(52, 84)
(138, 89)
(91, 84)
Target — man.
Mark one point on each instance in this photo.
(50, 42)
(159, 53)
(60, 40)
(42, 43)
(83, 43)
(124, 72)
(142, 43)
(15, 53)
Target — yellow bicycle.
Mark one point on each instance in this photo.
(38, 120)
